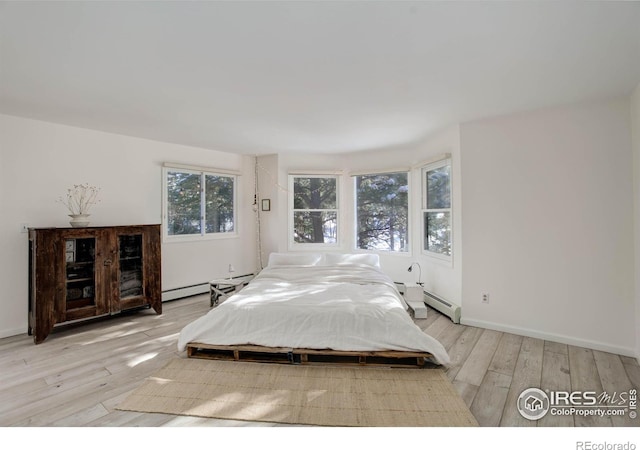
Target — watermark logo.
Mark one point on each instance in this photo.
(588, 445)
(533, 404)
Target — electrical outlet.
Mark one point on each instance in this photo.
(485, 298)
(24, 228)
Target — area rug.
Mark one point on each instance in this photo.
(298, 394)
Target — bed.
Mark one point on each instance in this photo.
(311, 308)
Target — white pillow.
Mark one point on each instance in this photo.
(343, 259)
(293, 259)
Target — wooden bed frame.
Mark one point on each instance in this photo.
(284, 355)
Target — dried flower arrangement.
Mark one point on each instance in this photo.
(80, 198)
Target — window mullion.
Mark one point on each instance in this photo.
(437, 209)
(203, 204)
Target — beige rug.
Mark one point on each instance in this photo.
(296, 394)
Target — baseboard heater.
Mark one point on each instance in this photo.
(447, 308)
(185, 291)
(188, 291)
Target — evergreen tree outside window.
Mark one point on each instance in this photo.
(219, 204)
(199, 203)
(382, 212)
(314, 213)
(436, 209)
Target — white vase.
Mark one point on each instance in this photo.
(79, 220)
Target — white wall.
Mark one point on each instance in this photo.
(41, 160)
(441, 278)
(269, 188)
(548, 225)
(635, 133)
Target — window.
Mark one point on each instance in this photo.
(199, 203)
(436, 208)
(382, 212)
(314, 214)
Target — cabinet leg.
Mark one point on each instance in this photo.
(40, 337)
(41, 332)
(157, 306)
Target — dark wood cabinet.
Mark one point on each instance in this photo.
(83, 273)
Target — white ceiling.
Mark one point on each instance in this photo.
(307, 76)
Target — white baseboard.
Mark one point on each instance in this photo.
(13, 332)
(594, 345)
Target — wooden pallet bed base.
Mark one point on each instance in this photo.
(283, 355)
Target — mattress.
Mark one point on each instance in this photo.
(343, 308)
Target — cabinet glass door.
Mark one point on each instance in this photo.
(130, 259)
(80, 278)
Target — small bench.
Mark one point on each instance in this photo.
(225, 287)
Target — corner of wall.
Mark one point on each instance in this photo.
(268, 182)
(635, 143)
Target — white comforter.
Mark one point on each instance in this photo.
(322, 307)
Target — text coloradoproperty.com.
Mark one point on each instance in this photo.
(600, 412)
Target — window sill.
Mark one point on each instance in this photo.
(315, 247)
(406, 254)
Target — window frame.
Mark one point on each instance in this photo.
(293, 245)
(424, 209)
(203, 235)
(409, 237)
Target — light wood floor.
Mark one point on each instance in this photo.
(78, 376)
